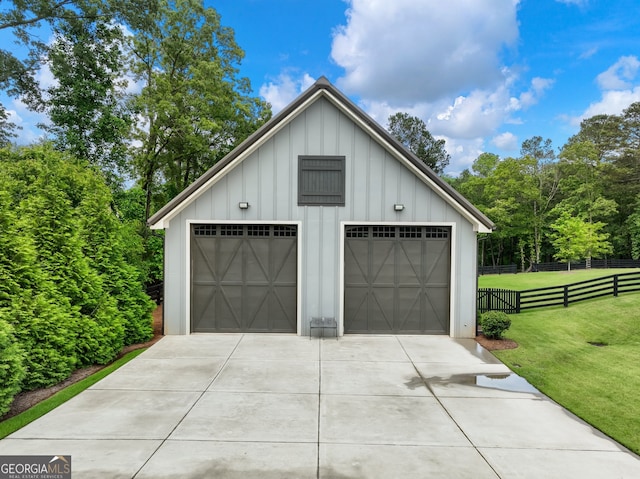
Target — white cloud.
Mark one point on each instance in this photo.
(14, 117)
(464, 152)
(465, 120)
(27, 122)
(381, 111)
(45, 77)
(442, 63)
(405, 52)
(472, 116)
(285, 89)
(611, 103)
(620, 88)
(533, 94)
(619, 75)
(506, 141)
(588, 53)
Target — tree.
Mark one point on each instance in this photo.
(85, 106)
(595, 178)
(617, 141)
(143, 253)
(539, 149)
(511, 193)
(12, 368)
(633, 224)
(7, 129)
(603, 131)
(413, 134)
(576, 239)
(194, 107)
(474, 188)
(26, 19)
(627, 162)
(105, 242)
(485, 164)
(582, 185)
(538, 155)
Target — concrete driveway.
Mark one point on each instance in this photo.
(280, 406)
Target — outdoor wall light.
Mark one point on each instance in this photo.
(398, 207)
(243, 205)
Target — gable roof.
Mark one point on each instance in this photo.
(321, 88)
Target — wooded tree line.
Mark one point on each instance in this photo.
(146, 91)
(581, 202)
(145, 97)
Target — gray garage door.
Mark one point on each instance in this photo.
(243, 278)
(397, 279)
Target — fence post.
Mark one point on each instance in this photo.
(615, 285)
(566, 296)
(517, 302)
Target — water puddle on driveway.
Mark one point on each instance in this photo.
(504, 382)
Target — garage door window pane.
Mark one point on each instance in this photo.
(284, 231)
(384, 231)
(258, 230)
(358, 232)
(435, 232)
(231, 230)
(204, 230)
(410, 232)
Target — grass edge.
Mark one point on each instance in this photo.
(17, 422)
(623, 441)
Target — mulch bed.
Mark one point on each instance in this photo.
(495, 344)
(27, 399)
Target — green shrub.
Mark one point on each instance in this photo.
(67, 288)
(494, 324)
(46, 332)
(105, 248)
(11, 367)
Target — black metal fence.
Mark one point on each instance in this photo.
(494, 299)
(509, 301)
(595, 264)
(501, 269)
(557, 266)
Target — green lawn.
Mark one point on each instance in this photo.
(601, 384)
(523, 281)
(13, 424)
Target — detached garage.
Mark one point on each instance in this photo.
(320, 213)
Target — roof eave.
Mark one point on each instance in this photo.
(155, 220)
(161, 219)
(481, 224)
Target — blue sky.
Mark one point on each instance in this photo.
(483, 74)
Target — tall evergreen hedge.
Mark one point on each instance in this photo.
(11, 366)
(67, 292)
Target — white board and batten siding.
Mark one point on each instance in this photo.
(267, 179)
